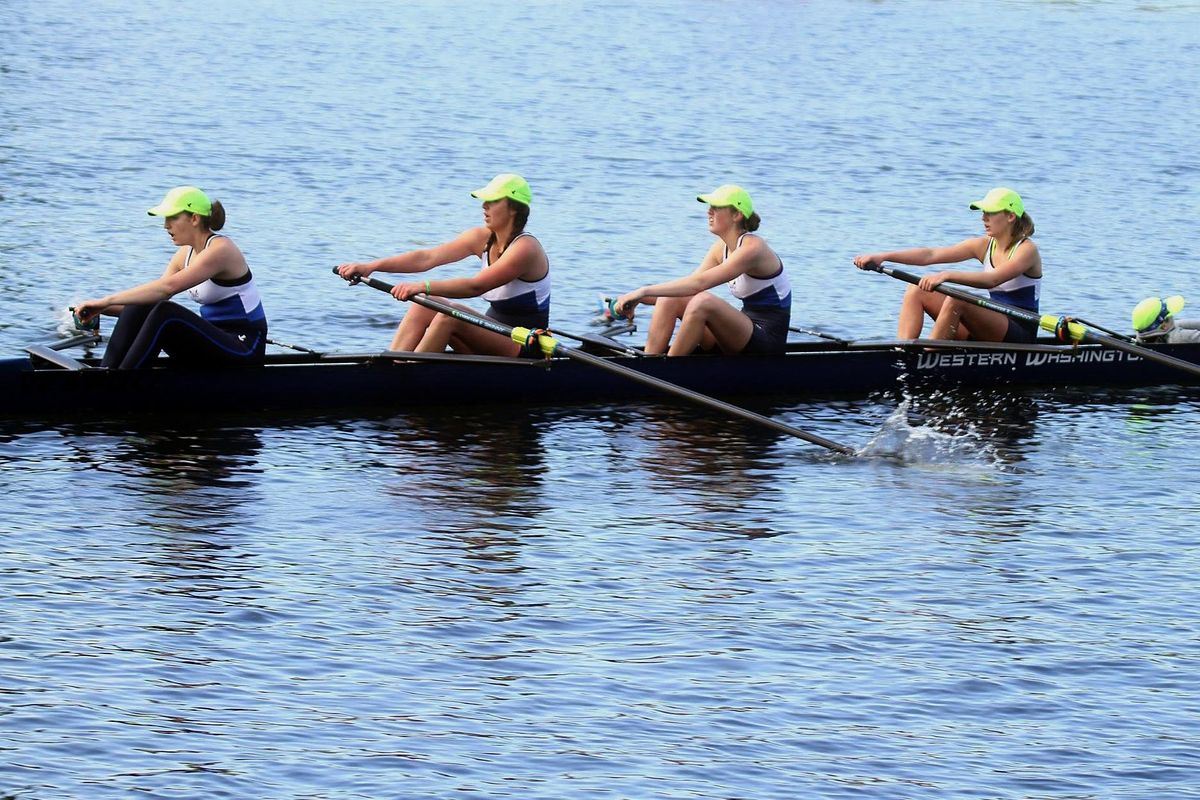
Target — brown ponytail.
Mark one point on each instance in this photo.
(752, 223)
(1022, 228)
(216, 220)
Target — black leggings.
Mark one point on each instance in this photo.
(143, 331)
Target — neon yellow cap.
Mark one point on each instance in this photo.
(727, 196)
(1000, 199)
(183, 198)
(1153, 312)
(507, 185)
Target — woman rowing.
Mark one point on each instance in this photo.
(231, 327)
(740, 258)
(1012, 272)
(515, 278)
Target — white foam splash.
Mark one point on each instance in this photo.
(923, 444)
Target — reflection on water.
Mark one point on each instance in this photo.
(721, 468)
(198, 479)
(465, 489)
(498, 457)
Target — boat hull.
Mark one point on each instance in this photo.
(349, 382)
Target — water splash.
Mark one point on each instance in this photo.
(943, 442)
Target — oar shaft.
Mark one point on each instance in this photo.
(1078, 331)
(701, 399)
(550, 346)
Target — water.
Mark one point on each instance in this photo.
(602, 601)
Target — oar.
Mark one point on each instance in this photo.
(1075, 330)
(601, 340)
(74, 341)
(818, 334)
(552, 347)
(295, 347)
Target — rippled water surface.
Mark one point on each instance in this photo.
(632, 601)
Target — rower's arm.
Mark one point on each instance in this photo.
(521, 259)
(1023, 261)
(711, 272)
(149, 292)
(468, 243)
(927, 256)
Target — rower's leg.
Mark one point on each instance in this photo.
(412, 327)
(667, 311)
(981, 324)
(916, 304)
(187, 338)
(950, 322)
(727, 327)
(129, 325)
(463, 337)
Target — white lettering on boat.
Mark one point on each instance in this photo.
(927, 361)
(1080, 357)
(951, 360)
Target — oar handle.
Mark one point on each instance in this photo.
(92, 326)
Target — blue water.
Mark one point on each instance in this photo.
(602, 601)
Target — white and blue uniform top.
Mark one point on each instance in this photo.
(227, 303)
(520, 298)
(772, 292)
(1021, 291)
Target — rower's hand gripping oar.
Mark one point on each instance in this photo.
(1061, 326)
(551, 347)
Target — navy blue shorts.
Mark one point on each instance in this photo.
(534, 321)
(769, 336)
(1021, 332)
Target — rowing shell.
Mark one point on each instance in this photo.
(34, 386)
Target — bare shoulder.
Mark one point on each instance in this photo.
(475, 237)
(714, 255)
(222, 245)
(527, 244)
(976, 246)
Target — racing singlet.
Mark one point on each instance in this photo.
(519, 302)
(228, 303)
(1021, 291)
(772, 292)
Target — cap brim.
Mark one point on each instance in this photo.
(162, 211)
(1175, 303)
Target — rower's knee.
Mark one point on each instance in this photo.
(953, 307)
(673, 306)
(702, 304)
(442, 324)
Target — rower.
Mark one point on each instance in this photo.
(231, 327)
(515, 278)
(1012, 272)
(1154, 320)
(739, 257)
